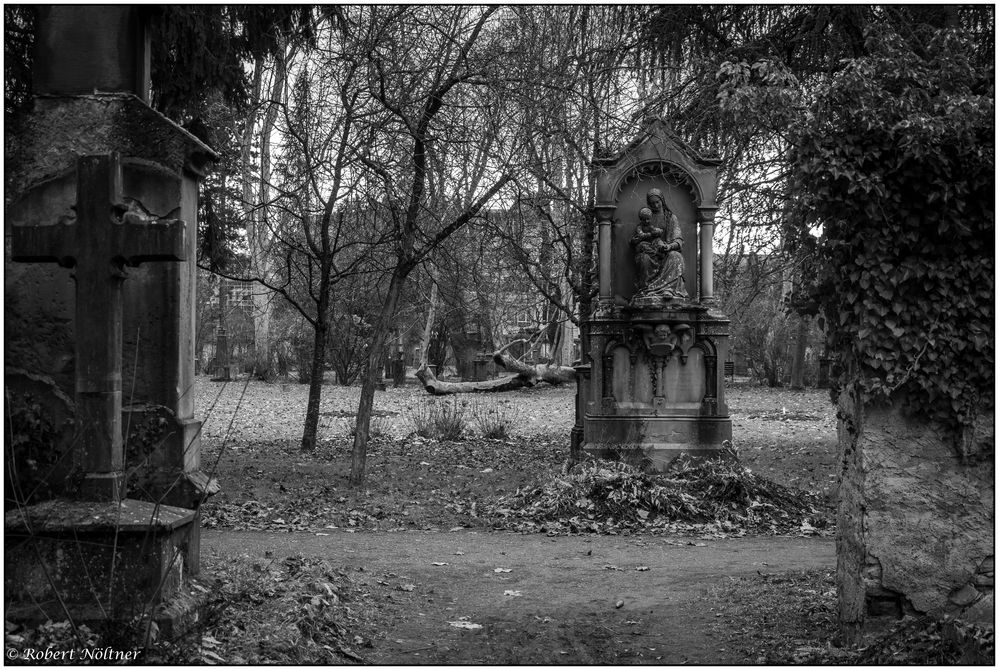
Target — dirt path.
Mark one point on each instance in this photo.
(559, 602)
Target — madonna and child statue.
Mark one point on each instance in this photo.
(658, 252)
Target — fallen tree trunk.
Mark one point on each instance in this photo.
(436, 387)
(542, 372)
(525, 376)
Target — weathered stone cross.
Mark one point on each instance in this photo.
(105, 237)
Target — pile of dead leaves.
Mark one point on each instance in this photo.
(296, 611)
(610, 496)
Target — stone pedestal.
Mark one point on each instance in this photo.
(648, 398)
(99, 561)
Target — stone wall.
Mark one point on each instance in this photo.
(916, 525)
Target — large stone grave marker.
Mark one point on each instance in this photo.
(107, 187)
(650, 384)
(100, 243)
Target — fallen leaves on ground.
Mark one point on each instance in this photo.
(297, 611)
(417, 483)
(790, 619)
(293, 611)
(411, 484)
(262, 412)
(928, 641)
(768, 617)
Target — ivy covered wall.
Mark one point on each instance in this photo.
(893, 174)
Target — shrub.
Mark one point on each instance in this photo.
(37, 459)
(439, 419)
(493, 421)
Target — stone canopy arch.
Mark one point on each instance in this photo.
(672, 173)
(656, 158)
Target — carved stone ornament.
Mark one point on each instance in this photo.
(662, 340)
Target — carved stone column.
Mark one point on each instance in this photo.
(604, 250)
(706, 219)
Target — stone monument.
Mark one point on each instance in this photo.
(106, 189)
(650, 385)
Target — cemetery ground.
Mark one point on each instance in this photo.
(449, 554)
(423, 549)
(485, 550)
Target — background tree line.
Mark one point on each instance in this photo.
(372, 153)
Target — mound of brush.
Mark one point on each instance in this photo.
(602, 496)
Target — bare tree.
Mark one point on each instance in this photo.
(433, 59)
(315, 218)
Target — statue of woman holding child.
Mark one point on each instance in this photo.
(658, 248)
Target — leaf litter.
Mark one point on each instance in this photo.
(269, 484)
(427, 484)
(714, 495)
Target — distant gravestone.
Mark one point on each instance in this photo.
(651, 386)
(825, 364)
(107, 189)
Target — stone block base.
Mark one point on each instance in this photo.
(652, 443)
(96, 561)
(174, 617)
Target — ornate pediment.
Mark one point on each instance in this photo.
(658, 152)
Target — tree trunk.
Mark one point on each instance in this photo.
(524, 376)
(261, 352)
(322, 327)
(850, 546)
(315, 389)
(798, 361)
(222, 346)
(435, 387)
(428, 329)
(372, 368)
(550, 374)
(258, 233)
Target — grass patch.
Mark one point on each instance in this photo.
(439, 419)
(494, 420)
